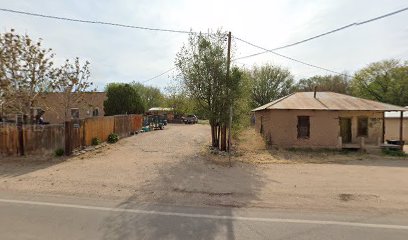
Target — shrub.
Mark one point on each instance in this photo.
(96, 141)
(113, 137)
(394, 152)
(59, 152)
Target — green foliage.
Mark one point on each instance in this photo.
(331, 83)
(178, 99)
(202, 65)
(59, 152)
(113, 138)
(151, 96)
(242, 105)
(269, 83)
(394, 152)
(96, 141)
(385, 81)
(122, 99)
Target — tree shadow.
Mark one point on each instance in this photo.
(192, 185)
(17, 166)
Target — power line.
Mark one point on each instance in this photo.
(95, 22)
(327, 33)
(161, 74)
(290, 58)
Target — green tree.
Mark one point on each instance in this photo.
(151, 96)
(269, 83)
(331, 83)
(202, 65)
(122, 99)
(384, 81)
(178, 99)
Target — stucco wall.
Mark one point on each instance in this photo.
(53, 105)
(280, 127)
(392, 128)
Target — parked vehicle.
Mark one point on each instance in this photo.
(190, 119)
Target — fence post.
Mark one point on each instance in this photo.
(68, 144)
(20, 135)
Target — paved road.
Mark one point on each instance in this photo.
(51, 217)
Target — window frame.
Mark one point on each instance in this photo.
(360, 132)
(300, 122)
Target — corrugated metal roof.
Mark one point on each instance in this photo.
(327, 101)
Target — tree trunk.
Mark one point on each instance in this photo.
(223, 138)
(214, 141)
(218, 134)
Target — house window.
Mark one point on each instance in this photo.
(74, 113)
(362, 126)
(95, 112)
(303, 127)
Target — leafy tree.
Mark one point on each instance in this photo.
(151, 96)
(331, 83)
(202, 65)
(178, 99)
(122, 99)
(269, 83)
(26, 70)
(384, 81)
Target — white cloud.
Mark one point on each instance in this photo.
(122, 54)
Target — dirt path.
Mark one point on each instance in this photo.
(167, 167)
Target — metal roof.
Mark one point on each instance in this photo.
(160, 109)
(396, 114)
(327, 101)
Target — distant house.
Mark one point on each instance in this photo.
(89, 105)
(392, 125)
(322, 120)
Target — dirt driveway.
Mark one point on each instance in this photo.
(168, 167)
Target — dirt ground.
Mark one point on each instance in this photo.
(174, 166)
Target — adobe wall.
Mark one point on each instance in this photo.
(280, 127)
(392, 128)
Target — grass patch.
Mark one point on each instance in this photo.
(394, 152)
(205, 122)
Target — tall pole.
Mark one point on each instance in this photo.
(230, 112)
(401, 131)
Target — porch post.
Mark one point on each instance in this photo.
(401, 137)
(383, 128)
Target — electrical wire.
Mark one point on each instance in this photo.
(290, 58)
(95, 22)
(161, 74)
(327, 33)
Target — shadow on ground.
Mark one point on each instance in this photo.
(206, 184)
(17, 166)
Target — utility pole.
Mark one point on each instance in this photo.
(230, 112)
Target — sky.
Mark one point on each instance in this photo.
(125, 55)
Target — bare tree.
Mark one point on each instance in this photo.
(25, 72)
(71, 84)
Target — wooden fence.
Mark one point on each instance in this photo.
(45, 139)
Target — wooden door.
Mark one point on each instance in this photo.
(345, 130)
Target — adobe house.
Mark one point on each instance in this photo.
(90, 104)
(322, 120)
(392, 125)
